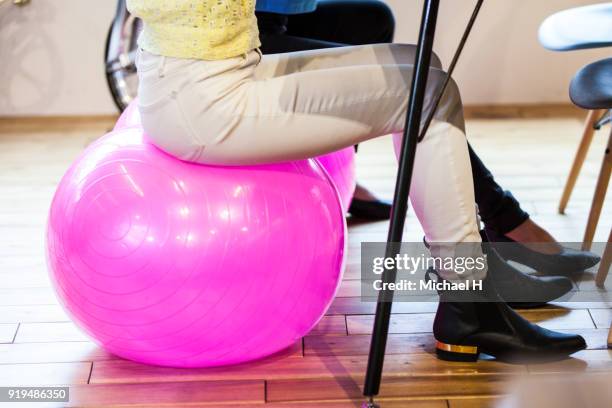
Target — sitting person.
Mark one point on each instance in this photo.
(299, 25)
(207, 95)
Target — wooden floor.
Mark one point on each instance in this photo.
(40, 346)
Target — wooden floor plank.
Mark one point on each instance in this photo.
(413, 387)
(560, 319)
(7, 332)
(583, 361)
(412, 343)
(27, 296)
(25, 280)
(596, 339)
(602, 317)
(310, 367)
(472, 402)
(579, 305)
(331, 325)
(400, 323)
(349, 288)
(356, 345)
(21, 264)
(354, 403)
(44, 374)
(220, 393)
(49, 332)
(357, 403)
(57, 352)
(355, 306)
(32, 314)
(553, 319)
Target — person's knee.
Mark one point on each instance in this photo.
(437, 79)
(436, 62)
(406, 53)
(450, 108)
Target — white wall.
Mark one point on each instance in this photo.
(503, 62)
(51, 53)
(51, 57)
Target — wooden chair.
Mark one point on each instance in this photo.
(591, 125)
(591, 88)
(602, 274)
(575, 29)
(604, 265)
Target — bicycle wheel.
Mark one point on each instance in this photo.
(120, 58)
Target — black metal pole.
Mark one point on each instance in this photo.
(451, 69)
(402, 189)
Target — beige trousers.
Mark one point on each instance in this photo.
(254, 109)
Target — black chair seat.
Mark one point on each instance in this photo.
(591, 88)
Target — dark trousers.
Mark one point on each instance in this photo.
(337, 23)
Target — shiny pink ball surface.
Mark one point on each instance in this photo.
(340, 166)
(178, 264)
(130, 117)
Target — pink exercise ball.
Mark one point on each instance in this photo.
(177, 264)
(339, 165)
(398, 138)
(130, 117)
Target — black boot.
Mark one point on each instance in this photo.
(568, 261)
(519, 289)
(375, 210)
(485, 324)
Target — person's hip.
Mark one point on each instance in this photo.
(187, 104)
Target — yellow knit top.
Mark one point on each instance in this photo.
(198, 29)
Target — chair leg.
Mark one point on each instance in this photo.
(598, 197)
(604, 265)
(583, 149)
(610, 338)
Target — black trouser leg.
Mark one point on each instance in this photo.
(335, 23)
(275, 40)
(352, 22)
(497, 207)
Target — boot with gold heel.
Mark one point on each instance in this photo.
(471, 322)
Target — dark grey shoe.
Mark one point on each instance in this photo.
(376, 210)
(568, 261)
(521, 290)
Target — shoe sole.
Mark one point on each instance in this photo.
(463, 353)
(451, 352)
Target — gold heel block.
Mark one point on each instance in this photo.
(451, 352)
